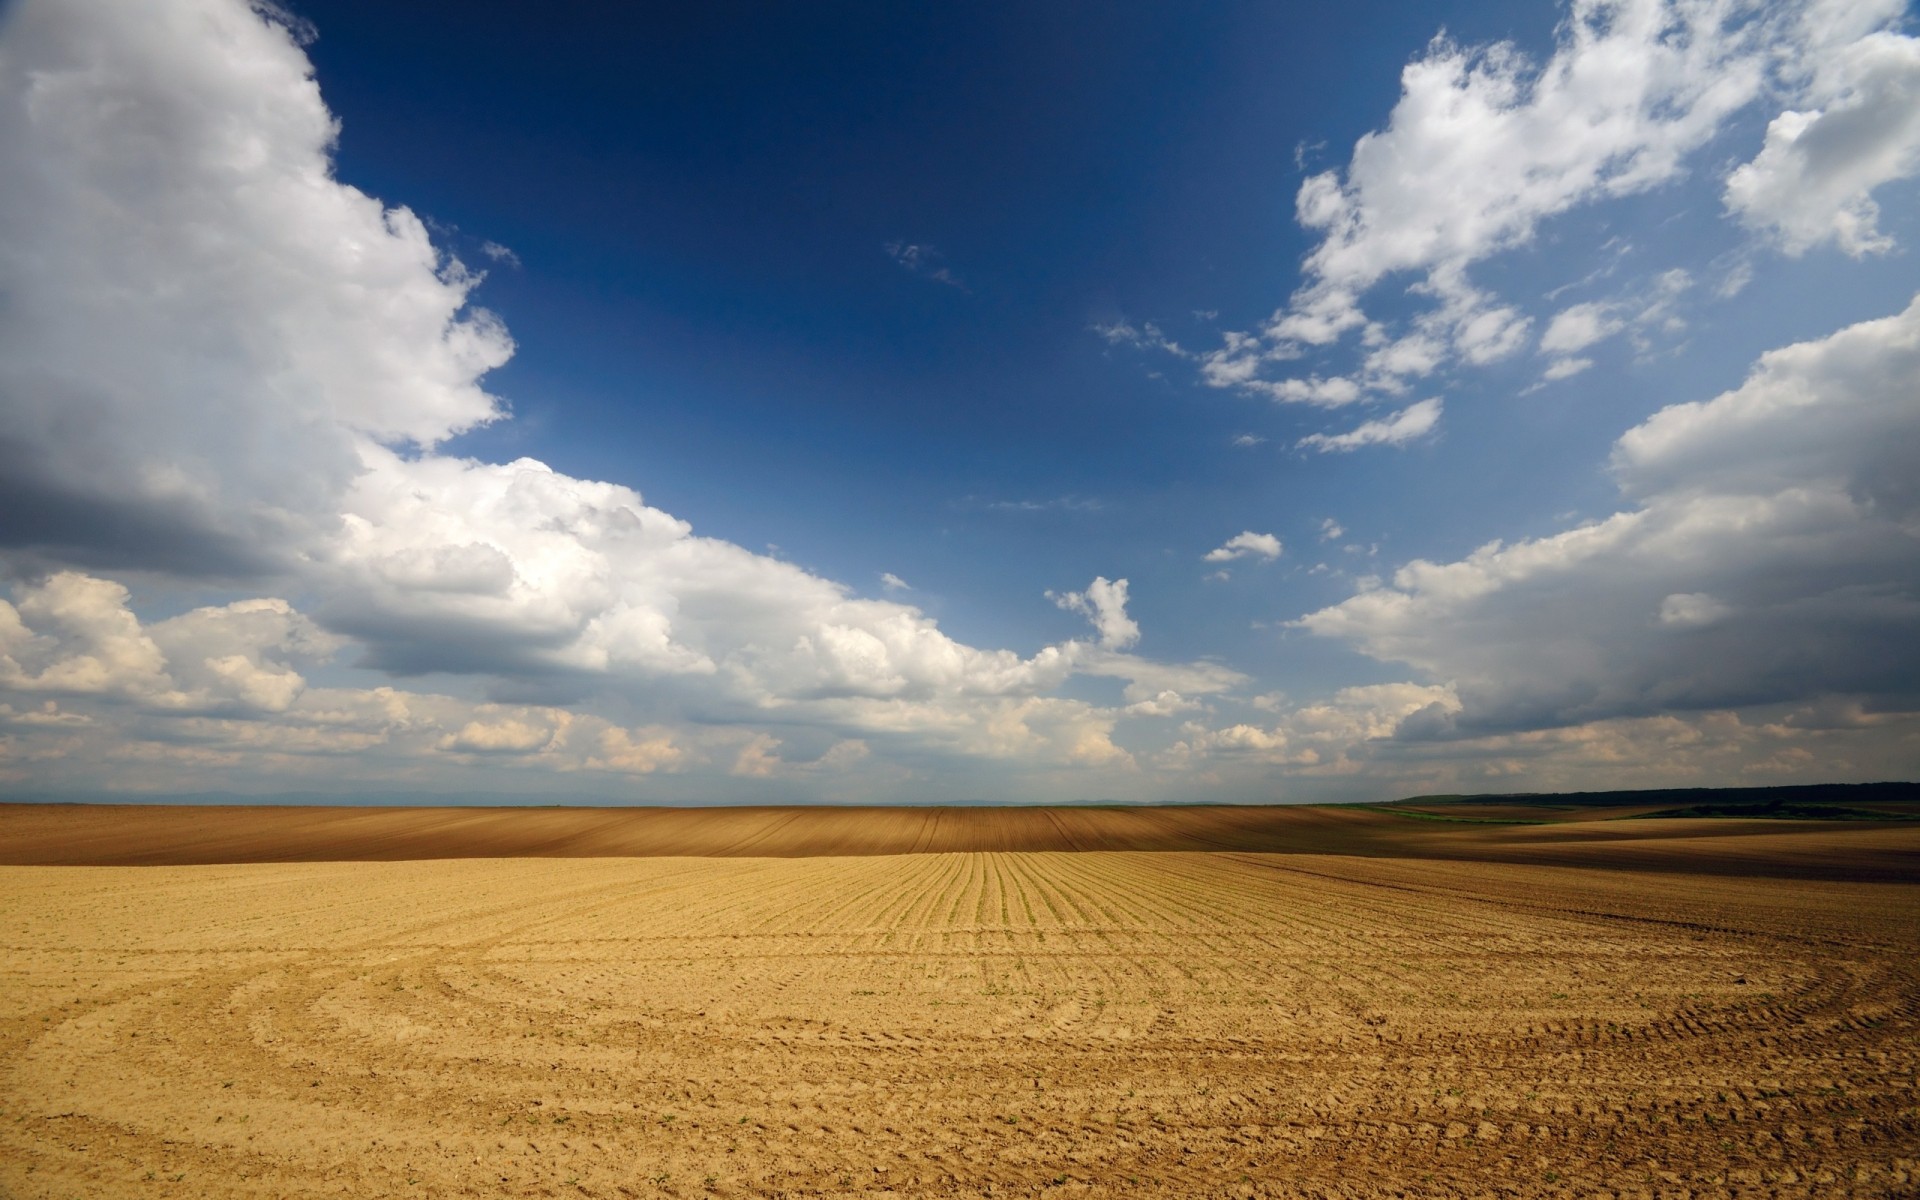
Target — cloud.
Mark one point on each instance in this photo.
(500, 254)
(1069, 503)
(1248, 440)
(1327, 393)
(1564, 368)
(923, 261)
(125, 692)
(1323, 734)
(636, 751)
(1770, 556)
(227, 370)
(1630, 93)
(1331, 530)
(1646, 313)
(74, 634)
(1574, 329)
(524, 732)
(1105, 604)
(190, 253)
(757, 759)
(893, 583)
(1246, 545)
(1631, 89)
(1411, 422)
(1691, 609)
(1147, 336)
(1814, 178)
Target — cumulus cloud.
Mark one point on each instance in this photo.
(74, 634)
(1246, 545)
(1148, 680)
(223, 366)
(1104, 603)
(636, 751)
(178, 248)
(1327, 393)
(1813, 180)
(1631, 89)
(1630, 94)
(1411, 422)
(1771, 556)
(1325, 734)
(524, 732)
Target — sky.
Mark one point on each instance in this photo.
(868, 403)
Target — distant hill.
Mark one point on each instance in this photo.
(1803, 801)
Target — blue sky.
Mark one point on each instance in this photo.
(864, 403)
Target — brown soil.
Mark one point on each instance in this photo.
(1176, 1023)
(178, 835)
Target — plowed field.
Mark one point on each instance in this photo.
(1062, 1024)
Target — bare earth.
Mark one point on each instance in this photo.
(1638, 1007)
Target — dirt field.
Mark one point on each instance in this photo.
(1004, 1023)
(136, 835)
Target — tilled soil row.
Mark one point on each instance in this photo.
(961, 1024)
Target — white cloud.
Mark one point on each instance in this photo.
(1574, 329)
(1147, 336)
(757, 759)
(1147, 679)
(1414, 421)
(1105, 604)
(1325, 734)
(1565, 368)
(75, 634)
(1646, 312)
(1328, 393)
(1813, 180)
(1248, 440)
(1330, 530)
(636, 751)
(893, 583)
(218, 365)
(166, 194)
(1772, 556)
(1246, 545)
(527, 731)
(1486, 145)
(1632, 87)
(923, 261)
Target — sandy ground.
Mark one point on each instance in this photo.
(1173, 1023)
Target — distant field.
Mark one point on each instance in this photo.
(1411, 1020)
(1541, 830)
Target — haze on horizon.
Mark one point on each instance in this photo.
(1226, 404)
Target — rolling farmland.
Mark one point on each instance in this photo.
(963, 1023)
